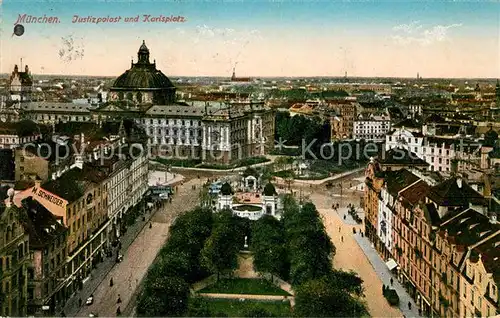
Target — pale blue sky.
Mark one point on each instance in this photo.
(280, 38)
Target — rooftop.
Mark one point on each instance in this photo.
(455, 192)
(72, 184)
(401, 156)
(22, 128)
(398, 180)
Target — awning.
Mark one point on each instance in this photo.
(391, 264)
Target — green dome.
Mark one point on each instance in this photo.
(143, 76)
(226, 189)
(269, 190)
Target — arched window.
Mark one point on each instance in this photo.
(120, 96)
(21, 250)
(130, 96)
(89, 199)
(7, 235)
(138, 96)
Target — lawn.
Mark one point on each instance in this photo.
(244, 286)
(235, 308)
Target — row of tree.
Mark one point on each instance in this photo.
(166, 288)
(200, 243)
(296, 130)
(298, 249)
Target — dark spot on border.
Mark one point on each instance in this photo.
(18, 29)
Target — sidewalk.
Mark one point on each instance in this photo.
(349, 220)
(71, 307)
(385, 275)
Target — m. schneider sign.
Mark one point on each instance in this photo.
(42, 195)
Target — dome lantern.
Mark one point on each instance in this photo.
(143, 54)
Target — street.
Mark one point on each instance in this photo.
(349, 255)
(128, 274)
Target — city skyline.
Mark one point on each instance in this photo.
(262, 39)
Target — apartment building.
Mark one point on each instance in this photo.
(429, 233)
(342, 125)
(47, 263)
(439, 153)
(79, 198)
(44, 161)
(15, 134)
(126, 184)
(14, 255)
(371, 127)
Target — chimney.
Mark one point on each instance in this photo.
(38, 183)
(10, 193)
(493, 217)
(459, 182)
(454, 167)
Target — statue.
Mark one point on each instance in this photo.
(246, 244)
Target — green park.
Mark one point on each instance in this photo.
(221, 265)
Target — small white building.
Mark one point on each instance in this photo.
(252, 204)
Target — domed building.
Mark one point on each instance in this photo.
(143, 83)
(220, 132)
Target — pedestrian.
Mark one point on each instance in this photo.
(344, 216)
(339, 229)
(409, 305)
(118, 311)
(111, 282)
(119, 301)
(342, 239)
(392, 281)
(150, 225)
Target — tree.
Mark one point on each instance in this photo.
(347, 281)
(198, 307)
(316, 298)
(310, 248)
(219, 253)
(257, 312)
(164, 296)
(269, 247)
(173, 264)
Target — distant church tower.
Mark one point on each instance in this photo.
(21, 85)
(233, 77)
(497, 93)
